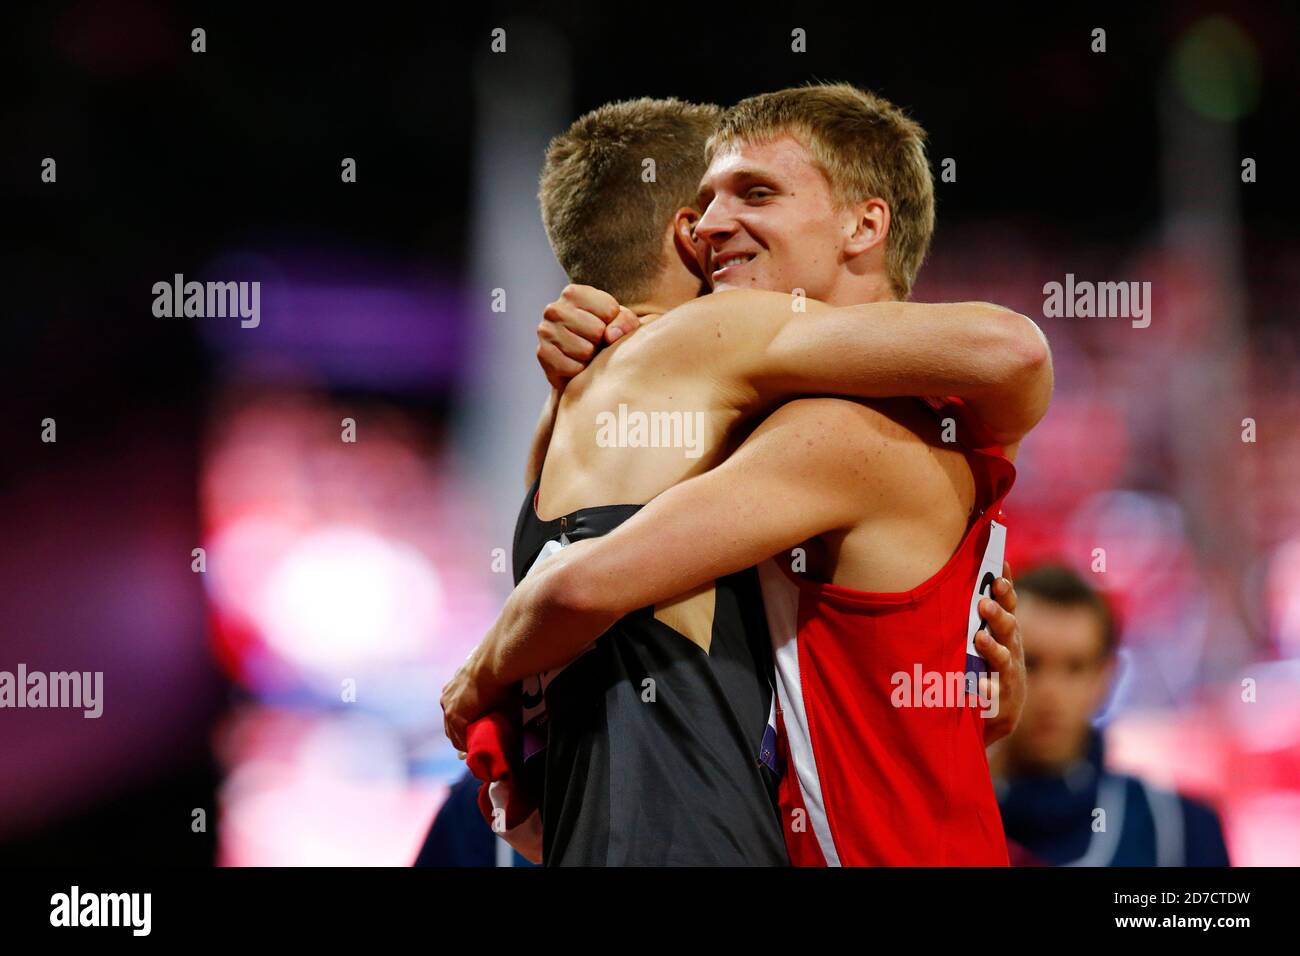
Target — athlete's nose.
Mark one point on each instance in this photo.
(717, 225)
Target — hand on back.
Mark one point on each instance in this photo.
(575, 327)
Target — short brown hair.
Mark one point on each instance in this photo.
(865, 146)
(605, 223)
(1062, 586)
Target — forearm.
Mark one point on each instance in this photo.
(754, 505)
(541, 437)
(546, 622)
(993, 358)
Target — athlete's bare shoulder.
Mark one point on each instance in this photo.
(720, 337)
(728, 320)
(885, 449)
(867, 423)
(835, 436)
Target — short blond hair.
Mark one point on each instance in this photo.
(605, 222)
(865, 146)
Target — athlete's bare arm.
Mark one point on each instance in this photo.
(814, 466)
(769, 347)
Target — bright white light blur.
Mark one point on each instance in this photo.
(241, 557)
(346, 595)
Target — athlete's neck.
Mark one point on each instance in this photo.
(665, 296)
(650, 309)
(859, 290)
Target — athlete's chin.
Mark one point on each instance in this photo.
(1050, 750)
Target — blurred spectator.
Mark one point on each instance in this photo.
(1059, 803)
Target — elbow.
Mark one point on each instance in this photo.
(1029, 357)
(1034, 356)
(1020, 373)
(1022, 342)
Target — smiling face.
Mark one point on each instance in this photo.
(770, 221)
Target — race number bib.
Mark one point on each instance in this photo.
(990, 570)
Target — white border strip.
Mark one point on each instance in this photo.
(781, 601)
